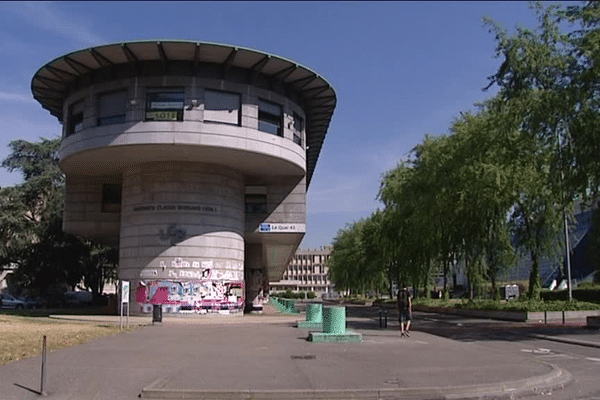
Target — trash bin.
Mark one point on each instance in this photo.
(157, 313)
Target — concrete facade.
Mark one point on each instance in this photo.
(193, 158)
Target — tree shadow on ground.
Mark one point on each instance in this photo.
(464, 328)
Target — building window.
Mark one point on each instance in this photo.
(256, 199)
(75, 121)
(222, 107)
(270, 117)
(298, 129)
(111, 197)
(164, 105)
(111, 108)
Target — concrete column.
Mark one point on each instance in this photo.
(182, 236)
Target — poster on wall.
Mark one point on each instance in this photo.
(194, 296)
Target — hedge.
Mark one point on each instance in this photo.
(587, 295)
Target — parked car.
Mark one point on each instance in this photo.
(78, 298)
(9, 301)
(32, 302)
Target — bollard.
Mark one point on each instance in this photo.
(314, 313)
(334, 327)
(156, 313)
(383, 318)
(42, 393)
(334, 320)
(563, 317)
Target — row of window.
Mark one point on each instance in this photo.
(256, 203)
(168, 105)
(307, 280)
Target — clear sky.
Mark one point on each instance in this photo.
(400, 70)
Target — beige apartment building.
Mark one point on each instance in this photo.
(307, 272)
(193, 158)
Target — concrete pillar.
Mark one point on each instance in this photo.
(182, 236)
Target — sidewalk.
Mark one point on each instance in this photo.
(266, 357)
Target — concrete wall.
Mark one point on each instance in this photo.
(83, 213)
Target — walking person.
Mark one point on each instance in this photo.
(404, 307)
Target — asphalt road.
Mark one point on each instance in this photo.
(513, 338)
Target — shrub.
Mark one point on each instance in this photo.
(311, 295)
(301, 295)
(588, 285)
(587, 295)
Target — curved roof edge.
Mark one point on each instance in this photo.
(54, 81)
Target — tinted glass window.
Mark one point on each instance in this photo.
(269, 118)
(111, 108)
(222, 107)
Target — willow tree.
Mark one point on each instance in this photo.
(549, 91)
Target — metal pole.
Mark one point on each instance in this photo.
(567, 247)
(42, 393)
(568, 258)
(120, 300)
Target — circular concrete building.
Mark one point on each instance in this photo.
(194, 158)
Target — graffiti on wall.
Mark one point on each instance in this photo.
(199, 296)
(187, 286)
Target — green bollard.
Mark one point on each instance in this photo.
(334, 320)
(314, 313)
(314, 317)
(334, 327)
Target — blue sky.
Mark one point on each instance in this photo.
(400, 70)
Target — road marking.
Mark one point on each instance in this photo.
(542, 351)
(565, 356)
(593, 359)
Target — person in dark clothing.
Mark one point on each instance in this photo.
(404, 306)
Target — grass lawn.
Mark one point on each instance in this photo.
(22, 336)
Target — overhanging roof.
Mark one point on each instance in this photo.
(53, 82)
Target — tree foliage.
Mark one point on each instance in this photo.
(505, 178)
(31, 226)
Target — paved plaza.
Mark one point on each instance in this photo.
(267, 357)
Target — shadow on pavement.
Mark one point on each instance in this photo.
(467, 329)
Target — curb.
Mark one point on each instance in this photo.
(565, 340)
(557, 378)
(175, 320)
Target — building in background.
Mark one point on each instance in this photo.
(307, 272)
(193, 158)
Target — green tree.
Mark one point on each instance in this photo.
(31, 226)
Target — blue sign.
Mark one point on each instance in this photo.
(265, 228)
